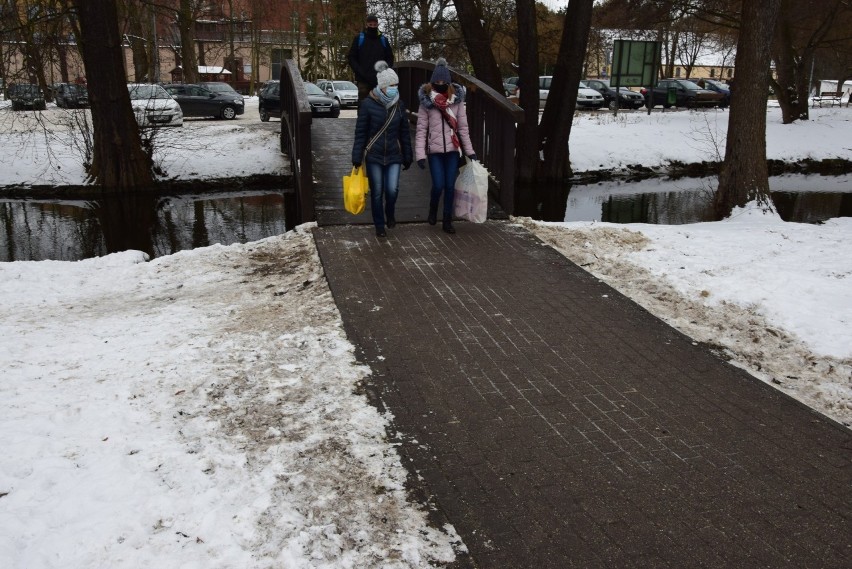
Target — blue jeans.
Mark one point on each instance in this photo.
(444, 169)
(384, 183)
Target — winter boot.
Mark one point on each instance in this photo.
(448, 226)
(433, 212)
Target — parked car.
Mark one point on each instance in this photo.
(719, 87)
(586, 98)
(626, 99)
(223, 88)
(197, 101)
(220, 87)
(269, 101)
(685, 92)
(26, 96)
(344, 92)
(153, 106)
(70, 95)
(510, 85)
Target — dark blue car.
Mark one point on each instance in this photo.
(718, 87)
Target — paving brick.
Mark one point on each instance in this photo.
(557, 424)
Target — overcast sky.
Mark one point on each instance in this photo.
(554, 4)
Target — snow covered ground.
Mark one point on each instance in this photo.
(203, 409)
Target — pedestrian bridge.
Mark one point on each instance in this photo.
(320, 151)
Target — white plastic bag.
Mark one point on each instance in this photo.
(471, 199)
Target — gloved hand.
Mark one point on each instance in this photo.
(422, 163)
(356, 165)
(406, 165)
(472, 156)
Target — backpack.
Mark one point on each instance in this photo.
(381, 35)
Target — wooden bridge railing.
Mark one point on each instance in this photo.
(491, 117)
(296, 138)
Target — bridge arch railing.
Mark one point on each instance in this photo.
(296, 138)
(491, 117)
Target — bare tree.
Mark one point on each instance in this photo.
(118, 162)
(133, 16)
(804, 30)
(562, 99)
(528, 140)
(478, 44)
(745, 176)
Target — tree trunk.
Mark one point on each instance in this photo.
(527, 144)
(139, 44)
(478, 44)
(558, 114)
(189, 59)
(791, 82)
(745, 176)
(118, 160)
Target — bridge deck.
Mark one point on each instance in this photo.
(332, 148)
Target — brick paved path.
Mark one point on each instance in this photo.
(556, 424)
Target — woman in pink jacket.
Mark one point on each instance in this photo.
(442, 134)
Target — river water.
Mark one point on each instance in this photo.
(34, 230)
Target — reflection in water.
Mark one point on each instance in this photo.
(807, 199)
(72, 230)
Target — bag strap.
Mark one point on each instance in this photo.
(381, 130)
(381, 36)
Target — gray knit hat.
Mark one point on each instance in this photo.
(385, 76)
(441, 72)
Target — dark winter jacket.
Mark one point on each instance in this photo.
(363, 59)
(433, 133)
(394, 145)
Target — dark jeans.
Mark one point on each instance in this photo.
(444, 169)
(384, 187)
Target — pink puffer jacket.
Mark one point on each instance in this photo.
(433, 132)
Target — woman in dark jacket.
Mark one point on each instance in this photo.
(382, 133)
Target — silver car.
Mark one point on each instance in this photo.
(153, 106)
(344, 92)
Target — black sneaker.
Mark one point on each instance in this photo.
(381, 232)
(391, 222)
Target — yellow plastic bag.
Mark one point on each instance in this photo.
(355, 188)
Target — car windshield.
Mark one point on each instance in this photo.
(142, 92)
(27, 90)
(345, 86)
(313, 89)
(583, 85)
(77, 90)
(689, 85)
(219, 87)
(715, 84)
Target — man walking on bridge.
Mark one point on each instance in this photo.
(369, 47)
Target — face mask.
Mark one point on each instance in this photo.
(441, 88)
(392, 91)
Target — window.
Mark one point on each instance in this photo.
(677, 71)
(730, 73)
(277, 60)
(712, 72)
